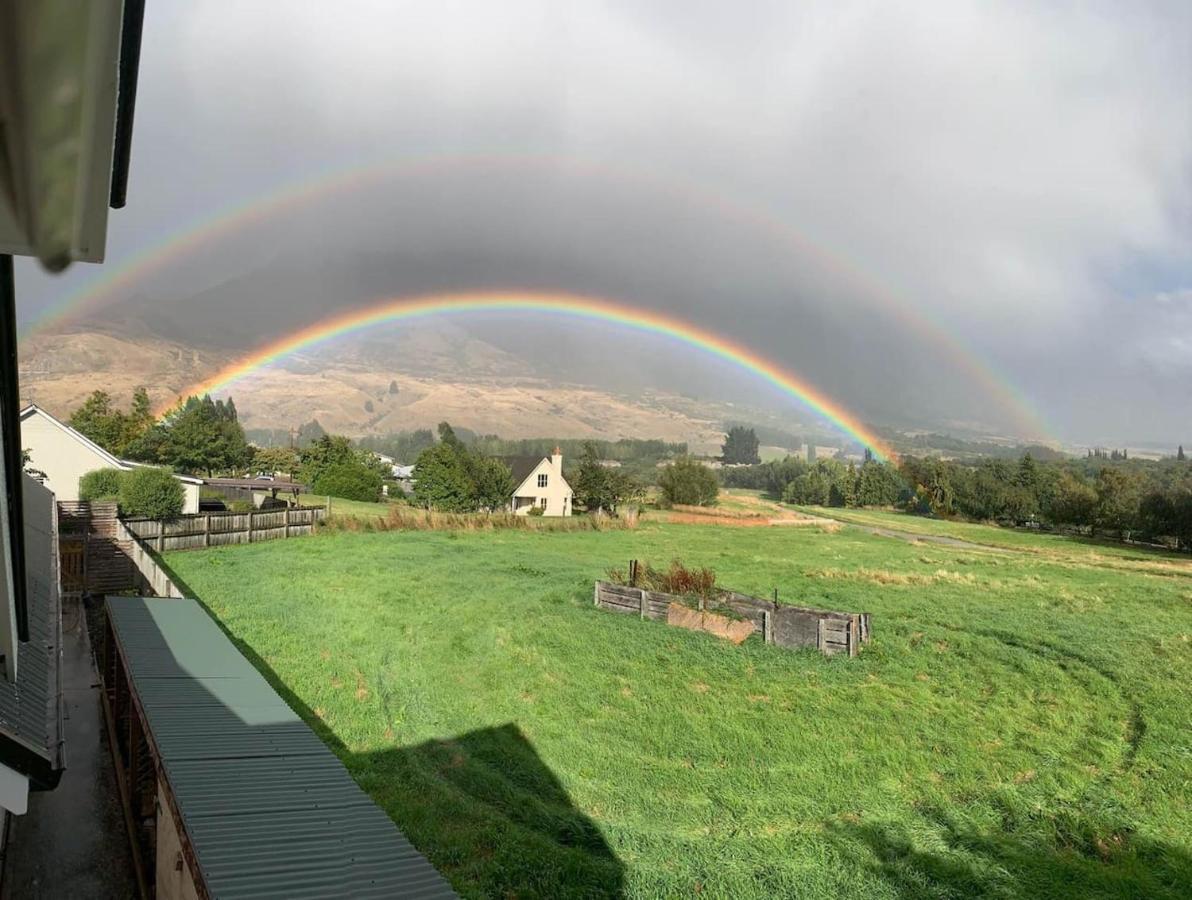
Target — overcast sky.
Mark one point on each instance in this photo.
(814, 180)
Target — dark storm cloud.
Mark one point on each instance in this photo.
(797, 176)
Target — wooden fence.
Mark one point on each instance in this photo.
(219, 529)
(93, 556)
(786, 626)
(153, 580)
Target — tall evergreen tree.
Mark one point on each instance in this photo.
(740, 447)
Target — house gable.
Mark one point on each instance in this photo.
(528, 486)
(106, 458)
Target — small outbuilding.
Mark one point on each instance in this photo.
(65, 455)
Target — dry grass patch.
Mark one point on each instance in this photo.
(888, 577)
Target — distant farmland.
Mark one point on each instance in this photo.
(1017, 729)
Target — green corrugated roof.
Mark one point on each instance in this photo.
(270, 810)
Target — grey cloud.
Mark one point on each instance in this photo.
(992, 167)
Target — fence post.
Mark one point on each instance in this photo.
(286, 525)
(161, 535)
(767, 627)
(642, 605)
(250, 515)
(207, 530)
(596, 594)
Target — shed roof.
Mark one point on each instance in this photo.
(268, 808)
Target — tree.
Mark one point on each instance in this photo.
(350, 480)
(1179, 453)
(99, 420)
(139, 420)
(1028, 473)
(1117, 501)
(323, 453)
(100, 484)
(1074, 502)
(740, 447)
(878, 484)
(441, 480)
(150, 492)
(597, 487)
(689, 483)
(202, 435)
(275, 459)
(392, 387)
(492, 482)
(111, 428)
(808, 489)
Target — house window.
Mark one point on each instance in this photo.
(542, 483)
(542, 500)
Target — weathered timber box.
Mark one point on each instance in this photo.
(826, 630)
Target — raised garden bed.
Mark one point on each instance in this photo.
(828, 631)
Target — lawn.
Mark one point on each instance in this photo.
(355, 509)
(1019, 727)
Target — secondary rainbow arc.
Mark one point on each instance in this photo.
(233, 217)
(599, 308)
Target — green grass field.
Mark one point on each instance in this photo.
(1013, 538)
(1019, 727)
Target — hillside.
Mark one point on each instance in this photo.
(441, 372)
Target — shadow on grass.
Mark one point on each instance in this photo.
(482, 806)
(973, 864)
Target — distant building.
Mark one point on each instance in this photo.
(65, 455)
(405, 478)
(539, 483)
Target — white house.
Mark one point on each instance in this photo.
(65, 455)
(540, 483)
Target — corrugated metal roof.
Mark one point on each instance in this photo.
(30, 707)
(270, 810)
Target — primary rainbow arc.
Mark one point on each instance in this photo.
(405, 308)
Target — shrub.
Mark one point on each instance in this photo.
(688, 482)
(151, 493)
(349, 481)
(100, 484)
(536, 511)
(677, 579)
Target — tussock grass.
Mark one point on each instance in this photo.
(885, 576)
(399, 517)
(1025, 736)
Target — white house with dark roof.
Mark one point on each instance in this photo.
(540, 483)
(65, 455)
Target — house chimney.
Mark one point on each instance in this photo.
(556, 459)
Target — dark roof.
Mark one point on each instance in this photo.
(268, 808)
(257, 484)
(30, 707)
(521, 466)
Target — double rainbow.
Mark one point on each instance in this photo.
(572, 305)
(177, 243)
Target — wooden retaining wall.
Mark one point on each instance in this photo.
(199, 530)
(153, 580)
(828, 631)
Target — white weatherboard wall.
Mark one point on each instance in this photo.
(556, 494)
(61, 452)
(14, 791)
